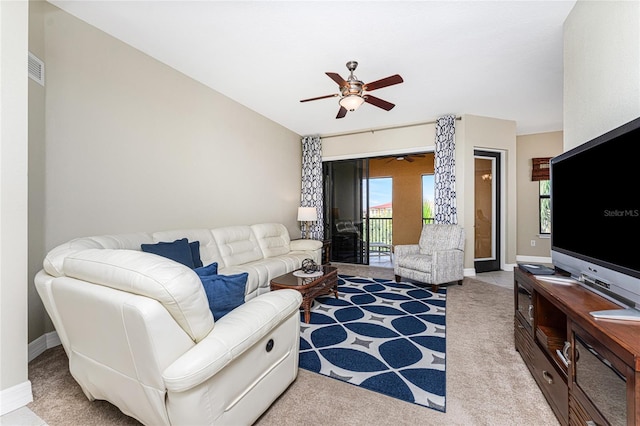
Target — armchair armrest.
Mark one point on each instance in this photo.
(407, 249)
(447, 265)
(233, 334)
(305, 245)
(447, 256)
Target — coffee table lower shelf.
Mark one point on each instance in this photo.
(309, 287)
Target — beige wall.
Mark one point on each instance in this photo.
(133, 145)
(491, 134)
(15, 389)
(406, 194)
(532, 146)
(39, 322)
(601, 68)
(419, 138)
(472, 132)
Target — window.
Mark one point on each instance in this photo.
(540, 174)
(544, 206)
(427, 199)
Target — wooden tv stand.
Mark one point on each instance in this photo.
(599, 384)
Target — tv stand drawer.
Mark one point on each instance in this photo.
(552, 383)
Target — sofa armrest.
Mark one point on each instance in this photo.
(232, 335)
(407, 249)
(305, 245)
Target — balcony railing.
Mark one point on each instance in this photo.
(380, 230)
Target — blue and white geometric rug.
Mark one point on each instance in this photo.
(381, 335)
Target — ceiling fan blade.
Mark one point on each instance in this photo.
(380, 103)
(409, 159)
(335, 77)
(342, 112)
(320, 97)
(378, 84)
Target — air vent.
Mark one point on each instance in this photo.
(36, 69)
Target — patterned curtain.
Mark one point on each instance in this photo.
(445, 171)
(311, 195)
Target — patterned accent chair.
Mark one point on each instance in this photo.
(437, 259)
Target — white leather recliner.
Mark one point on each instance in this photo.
(139, 333)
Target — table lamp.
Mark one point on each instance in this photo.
(306, 215)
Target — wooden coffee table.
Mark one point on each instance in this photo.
(309, 287)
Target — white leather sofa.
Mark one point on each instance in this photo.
(139, 333)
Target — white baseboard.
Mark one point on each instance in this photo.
(15, 397)
(508, 267)
(42, 343)
(20, 395)
(469, 272)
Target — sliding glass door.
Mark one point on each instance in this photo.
(345, 204)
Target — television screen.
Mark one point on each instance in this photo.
(595, 216)
(595, 199)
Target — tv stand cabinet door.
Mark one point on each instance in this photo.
(619, 399)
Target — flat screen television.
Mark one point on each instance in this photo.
(595, 217)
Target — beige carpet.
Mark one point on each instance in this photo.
(487, 382)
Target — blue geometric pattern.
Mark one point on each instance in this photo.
(381, 335)
(444, 173)
(311, 193)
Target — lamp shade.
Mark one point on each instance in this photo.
(307, 214)
(351, 102)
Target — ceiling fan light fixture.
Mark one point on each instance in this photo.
(353, 92)
(351, 102)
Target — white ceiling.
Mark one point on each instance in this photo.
(498, 59)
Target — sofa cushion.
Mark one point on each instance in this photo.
(418, 262)
(211, 269)
(255, 280)
(178, 251)
(175, 286)
(237, 245)
(208, 248)
(195, 253)
(54, 261)
(224, 292)
(305, 245)
(273, 239)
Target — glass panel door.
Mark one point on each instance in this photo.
(487, 207)
(346, 202)
(379, 219)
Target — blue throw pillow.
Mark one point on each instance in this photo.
(178, 251)
(224, 292)
(204, 271)
(195, 253)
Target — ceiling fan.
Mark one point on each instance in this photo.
(407, 157)
(352, 91)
